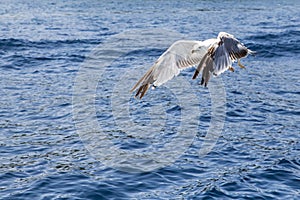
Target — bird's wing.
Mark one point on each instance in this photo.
(221, 60)
(235, 48)
(227, 51)
(180, 55)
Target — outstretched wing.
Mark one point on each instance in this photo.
(180, 55)
(228, 50)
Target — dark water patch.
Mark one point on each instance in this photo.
(286, 93)
(133, 144)
(206, 9)
(275, 44)
(21, 44)
(290, 34)
(291, 164)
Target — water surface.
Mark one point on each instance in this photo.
(44, 44)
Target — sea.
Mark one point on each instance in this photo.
(70, 128)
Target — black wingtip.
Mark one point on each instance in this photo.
(142, 91)
(195, 74)
(203, 82)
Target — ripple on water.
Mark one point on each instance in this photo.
(43, 45)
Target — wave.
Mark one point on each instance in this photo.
(12, 43)
(281, 44)
(20, 53)
(275, 44)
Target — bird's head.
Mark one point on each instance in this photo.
(224, 34)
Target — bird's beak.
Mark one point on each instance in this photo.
(252, 52)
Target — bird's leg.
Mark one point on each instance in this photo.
(240, 64)
(231, 69)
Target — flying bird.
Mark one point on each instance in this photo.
(212, 56)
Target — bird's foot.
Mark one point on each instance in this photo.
(241, 65)
(231, 69)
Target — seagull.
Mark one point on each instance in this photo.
(213, 56)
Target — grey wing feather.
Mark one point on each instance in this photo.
(221, 59)
(229, 50)
(234, 48)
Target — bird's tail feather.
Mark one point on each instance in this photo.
(201, 65)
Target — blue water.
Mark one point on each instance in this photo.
(44, 44)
